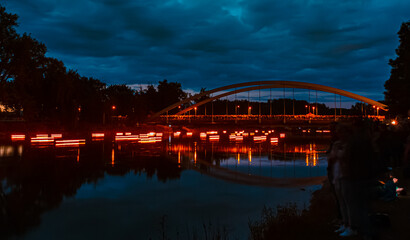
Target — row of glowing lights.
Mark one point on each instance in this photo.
(50, 139)
(46, 139)
(238, 136)
(152, 137)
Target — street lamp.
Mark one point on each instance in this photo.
(236, 109)
(306, 106)
(249, 110)
(113, 107)
(195, 110)
(313, 110)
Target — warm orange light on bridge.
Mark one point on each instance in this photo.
(394, 122)
(113, 107)
(282, 135)
(189, 134)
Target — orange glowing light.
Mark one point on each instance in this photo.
(42, 139)
(56, 135)
(119, 134)
(224, 131)
(18, 137)
(326, 131)
(213, 137)
(177, 134)
(150, 140)
(70, 143)
(112, 157)
(113, 107)
(259, 138)
(42, 135)
(127, 138)
(282, 135)
(274, 140)
(189, 134)
(97, 135)
(212, 132)
(127, 133)
(394, 122)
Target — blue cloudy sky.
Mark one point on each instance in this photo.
(209, 43)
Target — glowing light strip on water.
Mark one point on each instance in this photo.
(127, 138)
(56, 135)
(259, 138)
(151, 140)
(213, 137)
(70, 143)
(18, 137)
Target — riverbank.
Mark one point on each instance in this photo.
(319, 221)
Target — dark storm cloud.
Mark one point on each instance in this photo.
(202, 43)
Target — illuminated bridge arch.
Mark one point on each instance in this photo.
(249, 86)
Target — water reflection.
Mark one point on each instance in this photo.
(36, 179)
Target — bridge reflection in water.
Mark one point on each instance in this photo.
(284, 165)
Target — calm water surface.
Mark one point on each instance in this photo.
(105, 190)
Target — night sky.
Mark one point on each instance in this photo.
(204, 43)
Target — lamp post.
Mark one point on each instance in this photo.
(306, 107)
(236, 113)
(249, 110)
(313, 110)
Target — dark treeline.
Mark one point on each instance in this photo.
(40, 88)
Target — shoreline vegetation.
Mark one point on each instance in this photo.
(320, 221)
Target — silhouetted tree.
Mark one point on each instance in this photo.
(169, 93)
(398, 86)
(122, 97)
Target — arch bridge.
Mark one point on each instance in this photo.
(257, 85)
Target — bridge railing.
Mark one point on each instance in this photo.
(264, 117)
